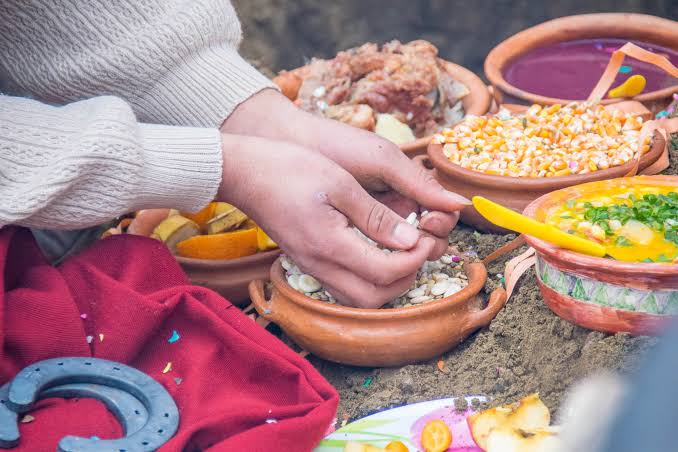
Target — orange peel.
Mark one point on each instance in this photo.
(226, 245)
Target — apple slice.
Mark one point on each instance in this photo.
(529, 413)
(508, 439)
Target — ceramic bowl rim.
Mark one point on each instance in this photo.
(539, 35)
(474, 287)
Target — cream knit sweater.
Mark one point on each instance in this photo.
(128, 95)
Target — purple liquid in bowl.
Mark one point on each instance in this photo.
(570, 70)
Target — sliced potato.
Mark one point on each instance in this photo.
(389, 127)
(175, 229)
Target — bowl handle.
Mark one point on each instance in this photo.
(482, 318)
(263, 306)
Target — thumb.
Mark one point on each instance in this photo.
(412, 179)
(375, 220)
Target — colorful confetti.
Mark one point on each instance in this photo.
(26, 419)
(101, 337)
(599, 46)
(456, 259)
(175, 337)
(178, 380)
(90, 339)
(441, 365)
(271, 421)
(662, 114)
(368, 381)
(625, 69)
(95, 438)
(167, 368)
(83, 316)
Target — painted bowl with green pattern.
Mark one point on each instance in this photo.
(599, 293)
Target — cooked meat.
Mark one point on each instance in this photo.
(405, 80)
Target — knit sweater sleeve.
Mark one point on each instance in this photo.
(84, 163)
(174, 61)
(115, 69)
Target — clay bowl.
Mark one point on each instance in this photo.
(377, 337)
(477, 102)
(640, 27)
(230, 278)
(517, 192)
(604, 294)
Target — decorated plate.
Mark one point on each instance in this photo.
(405, 424)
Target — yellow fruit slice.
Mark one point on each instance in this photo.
(507, 439)
(436, 436)
(202, 216)
(175, 229)
(528, 414)
(227, 221)
(264, 242)
(227, 245)
(396, 446)
(222, 207)
(633, 86)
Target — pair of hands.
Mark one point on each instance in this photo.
(305, 180)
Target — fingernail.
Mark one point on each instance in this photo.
(406, 235)
(458, 198)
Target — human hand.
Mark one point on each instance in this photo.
(308, 205)
(376, 163)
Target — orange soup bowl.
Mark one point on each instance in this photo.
(599, 293)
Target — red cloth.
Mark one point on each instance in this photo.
(234, 374)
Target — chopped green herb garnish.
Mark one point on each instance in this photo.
(566, 217)
(658, 212)
(663, 258)
(622, 241)
(524, 121)
(647, 261)
(477, 149)
(570, 203)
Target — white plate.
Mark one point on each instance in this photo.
(404, 424)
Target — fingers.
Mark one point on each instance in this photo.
(439, 224)
(376, 265)
(416, 182)
(352, 290)
(398, 203)
(374, 219)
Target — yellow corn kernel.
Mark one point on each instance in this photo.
(553, 108)
(562, 172)
(592, 166)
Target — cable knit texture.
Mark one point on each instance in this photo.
(171, 62)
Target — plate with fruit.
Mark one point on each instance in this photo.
(441, 426)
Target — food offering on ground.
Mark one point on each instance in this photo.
(401, 91)
(219, 231)
(523, 426)
(435, 280)
(550, 141)
(639, 223)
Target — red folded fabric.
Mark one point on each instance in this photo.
(238, 388)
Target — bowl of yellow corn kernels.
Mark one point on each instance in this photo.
(514, 157)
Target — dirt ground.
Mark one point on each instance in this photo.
(526, 348)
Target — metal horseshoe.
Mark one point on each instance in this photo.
(129, 411)
(163, 415)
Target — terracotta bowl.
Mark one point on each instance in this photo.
(477, 102)
(640, 27)
(377, 337)
(604, 294)
(230, 278)
(517, 192)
